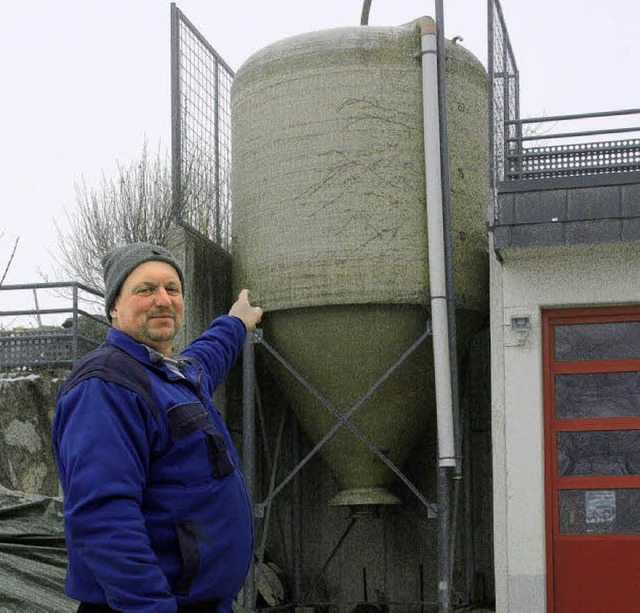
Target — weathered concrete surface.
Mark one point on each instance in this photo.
(27, 402)
(207, 291)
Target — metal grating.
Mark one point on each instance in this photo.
(201, 133)
(504, 83)
(578, 160)
(42, 348)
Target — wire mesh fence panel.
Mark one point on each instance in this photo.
(201, 133)
(505, 93)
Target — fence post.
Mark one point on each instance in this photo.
(74, 326)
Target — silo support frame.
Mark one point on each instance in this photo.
(250, 395)
(248, 448)
(343, 420)
(250, 401)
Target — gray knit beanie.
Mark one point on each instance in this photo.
(118, 264)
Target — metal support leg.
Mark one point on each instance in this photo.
(249, 449)
(444, 589)
(296, 519)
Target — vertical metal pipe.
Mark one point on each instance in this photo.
(448, 253)
(216, 152)
(176, 136)
(74, 327)
(272, 480)
(249, 449)
(505, 114)
(444, 588)
(35, 300)
(364, 17)
(516, 111)
(439, 306)
(446, 230)
(437, 276)
(492, 76)
(469, 553)
(296, 516)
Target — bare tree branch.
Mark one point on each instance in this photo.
(6, 270)
(135, 205)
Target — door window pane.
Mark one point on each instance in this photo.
(601, 341)
(603, 394)
(613, 452)
(599, 511)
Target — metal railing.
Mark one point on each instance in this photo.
(50, 345)
(535, 148)
(532, 152)
(200, 133)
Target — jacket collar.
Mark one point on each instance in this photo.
(128, 344)
(147, 355)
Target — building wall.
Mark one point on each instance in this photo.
(207, 291)
(522, 285)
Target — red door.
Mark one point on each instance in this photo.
(592, 457)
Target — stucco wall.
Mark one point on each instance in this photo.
(525, 283)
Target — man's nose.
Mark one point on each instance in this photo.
(162, 297)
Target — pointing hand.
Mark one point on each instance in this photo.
(243, 310)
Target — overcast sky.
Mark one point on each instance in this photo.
(84, 82)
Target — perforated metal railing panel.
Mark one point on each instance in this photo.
(576, 160)
(41, 348)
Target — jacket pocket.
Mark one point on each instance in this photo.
(190, 554)
(186, 418)
(221, 463)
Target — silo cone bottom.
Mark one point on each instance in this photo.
(364, 496)
(343, 351)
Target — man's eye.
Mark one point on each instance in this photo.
(174, 291)
(145, 290)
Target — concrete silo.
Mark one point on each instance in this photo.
(330, 229)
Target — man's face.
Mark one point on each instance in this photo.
(149, 305)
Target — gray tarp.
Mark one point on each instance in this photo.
(33, 557)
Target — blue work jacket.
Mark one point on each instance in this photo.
(156, 509)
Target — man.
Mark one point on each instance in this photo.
(157, 517)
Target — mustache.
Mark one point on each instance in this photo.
(162, 313)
